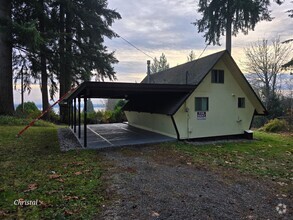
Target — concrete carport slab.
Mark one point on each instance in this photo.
(120, 134)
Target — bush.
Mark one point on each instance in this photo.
(92, 118)
(53, 117)
(30, 110)
(275, 125)
(107, 117)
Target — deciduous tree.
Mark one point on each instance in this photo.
(265, 60)
(160, 65)
(191, 56)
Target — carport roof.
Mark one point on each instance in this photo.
(152, 98)
(125, 90)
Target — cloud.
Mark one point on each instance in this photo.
(166, 26)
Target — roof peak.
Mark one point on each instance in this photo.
(187, 73)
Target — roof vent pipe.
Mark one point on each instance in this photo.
(149, 70)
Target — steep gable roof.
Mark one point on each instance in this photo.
(190, 73)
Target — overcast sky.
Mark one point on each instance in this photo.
(165, 26)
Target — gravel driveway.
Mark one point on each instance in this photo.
(157, 183)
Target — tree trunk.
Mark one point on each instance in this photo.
(229, 30)
(65, 62)
(68, 66)
(6, 81)
(63, 109)
(44, 75)
(44, 84)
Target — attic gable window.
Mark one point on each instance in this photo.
(217, 76)
(201, 104)
(241, 102)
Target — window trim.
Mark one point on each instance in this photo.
(201, 109)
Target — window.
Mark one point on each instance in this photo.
(201, 104)
(217, 76)
(241, 102)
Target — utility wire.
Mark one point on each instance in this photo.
(134, 46)
(203, 51)
(187, 72)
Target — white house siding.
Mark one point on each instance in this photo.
(223, 117)
(158, 123)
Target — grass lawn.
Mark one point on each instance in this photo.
(269, 155)
(67, 185)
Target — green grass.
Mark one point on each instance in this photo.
(35, 161)
(31, 161)
(14, 121)
(269, 155)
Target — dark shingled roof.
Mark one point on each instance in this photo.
(191, 73)
(167, 89)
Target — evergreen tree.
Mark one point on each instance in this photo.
(57, 39)
(160, 65)
(83, 26)
(228, 17)
(18, 34)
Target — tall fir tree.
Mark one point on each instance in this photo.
(67, 43)
(83, 25)
(228, 17)
(37, 11)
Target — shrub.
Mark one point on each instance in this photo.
(107, 117)
(53, 117)
(30, 110)
(275, 125)
(92, 118)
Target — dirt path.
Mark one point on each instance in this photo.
(156, 183)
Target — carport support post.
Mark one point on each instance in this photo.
(68, 112)
(74, 113)
(79, 117)
(71, 107)
(85, 122)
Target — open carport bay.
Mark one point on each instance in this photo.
(119, 134)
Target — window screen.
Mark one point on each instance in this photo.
(241, 102)
(201, 104)
(217, 76)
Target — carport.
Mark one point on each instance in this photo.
(118, 135)
(151, 98)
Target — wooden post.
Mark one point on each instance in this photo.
(85, 122)
(79, 119)
(74, 113)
